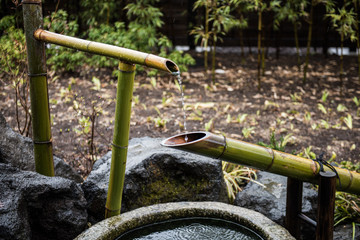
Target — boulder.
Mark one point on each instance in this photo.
(155, 174)
(33, 206)
(17, 151)
(270, 197)
(345, 232)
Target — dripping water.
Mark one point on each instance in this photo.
(178, 78)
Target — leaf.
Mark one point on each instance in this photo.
(348, 121)
(322, 108)
(341, 108)
(97, 84)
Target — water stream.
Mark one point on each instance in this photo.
(178, 78)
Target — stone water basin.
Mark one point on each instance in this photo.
(188, 220)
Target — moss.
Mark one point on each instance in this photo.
(169, 189)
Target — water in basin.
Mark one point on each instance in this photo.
(192, 229)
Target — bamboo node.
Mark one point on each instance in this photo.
(43, 142)
(224, 149)
(272, 160)
(37, 74)
(38, 2)
(120, 147)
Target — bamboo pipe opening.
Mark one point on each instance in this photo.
(185, 139)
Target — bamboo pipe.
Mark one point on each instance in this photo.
(41, 127)
(124, 54)
(262, 158)
(120, 138)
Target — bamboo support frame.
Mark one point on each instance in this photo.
(120, 139)
(35, 38)
(123, 54)
(41, 128)
(239, 152)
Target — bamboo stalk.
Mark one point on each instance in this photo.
(243, 153)
(308, 41)
(32, 13)
(259, 46)
(123, 54)
(120, 138)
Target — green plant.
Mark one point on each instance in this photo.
(293, 11)
(308, 153)
(341, 108)
(322, 108)
(13, 64)
(324, 96)
(242, 8)
(247, 131)
(307, 116)
(202, 32)
(344, 21)
(356, 101)
(60, 58)
(209, 126)
(295, 97)
(347, 205)
(235, 177)
(324, 124)
(260, 6)
(309, 19)
(241, 118)
(348, 121)
(277, 144)
(217, 15)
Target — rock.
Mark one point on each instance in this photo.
(33, 206)
(155, 174)
(17, 151)
(270, 200)
(345, 232)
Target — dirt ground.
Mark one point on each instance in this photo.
(232, 106)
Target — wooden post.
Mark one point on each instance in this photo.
(41, 127)
(293, 206)
(326, 205)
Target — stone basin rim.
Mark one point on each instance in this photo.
(112, 227)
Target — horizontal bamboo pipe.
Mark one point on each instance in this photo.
(124, 54)
(263, 158)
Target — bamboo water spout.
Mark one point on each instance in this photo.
(267, 159)
(123, 54)
(35, 38)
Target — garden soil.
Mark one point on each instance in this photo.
(233, 106)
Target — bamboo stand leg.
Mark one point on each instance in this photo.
(293, 206)
(120, 138)
(41, 127)
(326, 205)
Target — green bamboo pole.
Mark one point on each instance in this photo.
(297, 45)
(308, 41)
(259, 46)
(267, 159)
(123, 54)
(120, 138)
(41, 128)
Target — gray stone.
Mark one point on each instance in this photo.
(17, 151)
(270, 197)
(345, 232)
(155, 174)
(33, 206)
(111, 228)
